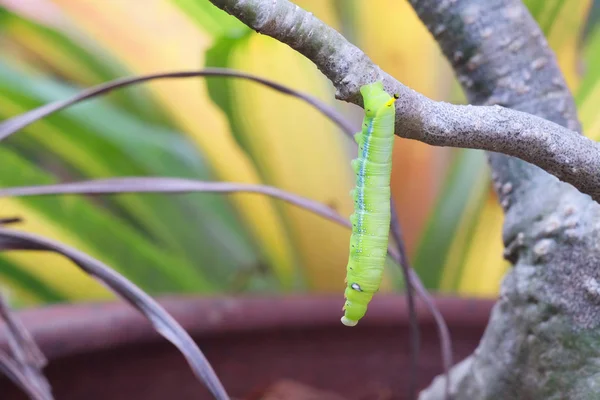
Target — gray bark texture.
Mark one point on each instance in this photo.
(557, 149)
(542, 340)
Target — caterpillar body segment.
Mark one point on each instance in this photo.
(371, 217)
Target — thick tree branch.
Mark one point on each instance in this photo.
(541, 342)
(501, 57)
(558, 150)
(543, 338)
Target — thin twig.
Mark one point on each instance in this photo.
(10, 369)
(404, 263)
(414, 282)
(24, 347)
(27, 357)
(10, 220)
(178, 185)
(443, 332)
(162, 322)
(170, 185)
(12, 125)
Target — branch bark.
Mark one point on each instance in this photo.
(558, 150)
(542, 334)
(542, 340)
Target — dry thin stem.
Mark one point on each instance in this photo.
(22, 344)
(10, 220)
(25, 368)
(404, 263)
(170, 185)
(12, 125)
(178, 185)
(162, 322)
(10, 369)
(443, 332)
(417, 285)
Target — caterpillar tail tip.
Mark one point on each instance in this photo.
(348, 322)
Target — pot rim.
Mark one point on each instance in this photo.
(64, 330)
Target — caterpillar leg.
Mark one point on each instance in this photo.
(356, 164)
(347, 321)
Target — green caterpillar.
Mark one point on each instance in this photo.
(371, 218)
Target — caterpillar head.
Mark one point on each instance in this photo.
(376, 98)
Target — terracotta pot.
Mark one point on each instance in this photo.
(108, 351)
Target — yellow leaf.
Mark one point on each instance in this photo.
(588, 112)
(484, 265)
(46, 49)
(322, 9)
(55, 271)
(461, 242)
(157, 37)
(564, 37)
(393, 36)
(18, 296)
(588, 97)
(297, 149)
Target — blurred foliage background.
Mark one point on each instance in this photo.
(217, 129)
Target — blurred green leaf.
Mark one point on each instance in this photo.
(588, 96)
(593, 18)
(479, 270)
(278, 134)
(159, 37)
(211, 19)
(591, 58)
(15, 276)
(562, 23)
(544, 12)
(453, 218)
(220, 89)
(111, 239)
(96, 140)
(78, 59)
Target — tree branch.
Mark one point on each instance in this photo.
(558, 150)
(543, 336)
(540, 341)
(501, 57)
